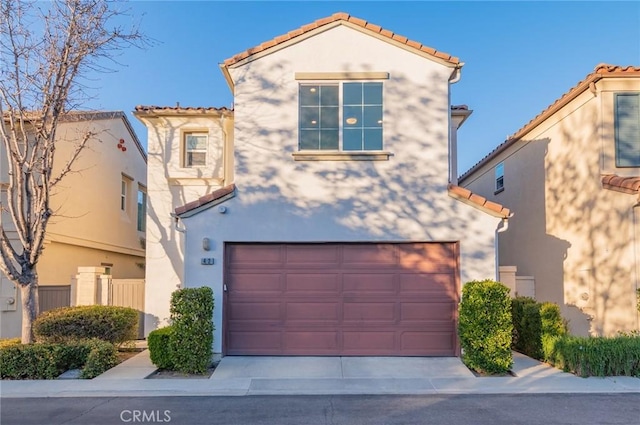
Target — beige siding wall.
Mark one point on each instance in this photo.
(88, 227)
(573, 236)
(55, 268)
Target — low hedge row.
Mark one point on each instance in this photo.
(485, 327)
(594, 356)
(532, 322)
(49, 360)
(108, 323)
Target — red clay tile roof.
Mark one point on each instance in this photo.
(206, 199)
(336, 17)
(630, 185)
(178, 108)
(468, 197)
(601, 71)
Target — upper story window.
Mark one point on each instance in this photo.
(345, 116)
(124, 190)
(195, 150)
(499, 177)
(142, 209)
(627, 129)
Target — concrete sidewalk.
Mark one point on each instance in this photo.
(239, 376)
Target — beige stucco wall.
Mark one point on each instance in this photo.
(88, 228)
(169, 186)
(576, 238)
(279, 199)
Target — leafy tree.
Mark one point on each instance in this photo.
(46, 49)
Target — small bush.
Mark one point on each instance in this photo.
(595, 356)
(32, 361)
(532, 321)
(160, 347)
(102, 356)
(517, 314)
(108, 323)
(49, 360)
(485, 326)
(192, 337)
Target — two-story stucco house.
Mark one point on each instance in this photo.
(571, 176)
(99, 209)
(323, 210)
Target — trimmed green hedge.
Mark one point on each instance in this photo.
(532, 321)
(7, 342)
(108, 323)
(595, 356)
(159, 342)
(192, 337)
(485, 327)
(49, 360)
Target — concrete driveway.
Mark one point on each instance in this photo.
(259, 367)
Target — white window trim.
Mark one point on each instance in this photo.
(187, 133)
(499, 177)
(141, 189)
(340, 154)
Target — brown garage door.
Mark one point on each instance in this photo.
(341, 299)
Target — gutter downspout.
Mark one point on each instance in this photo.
(502, 227)
(453, 162)
(176, 227)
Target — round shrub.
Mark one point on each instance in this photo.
(485, 327)
(102, 356)
(159, 342)
(108, 323)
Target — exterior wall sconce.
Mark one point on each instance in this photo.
(206, 244)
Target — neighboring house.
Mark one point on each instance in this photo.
(99, 208)
(321, 211)
(571, 177)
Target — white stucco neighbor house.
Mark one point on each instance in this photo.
(323, 210)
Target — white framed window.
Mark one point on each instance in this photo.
(124, 190)
(142, 208)
(627, 129)
(499, 172)
(344, 116)
(195, 149)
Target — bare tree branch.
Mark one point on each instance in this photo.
(45, 49)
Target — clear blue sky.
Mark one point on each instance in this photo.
(519, 56)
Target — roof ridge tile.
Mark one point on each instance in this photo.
(336, 17)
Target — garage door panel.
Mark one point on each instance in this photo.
(253, 283)
(440, 343)
(253, 342)
(254, 256)
(248, 311)
(368, 341)
(380, 283)
(318, 282)
(313, 256)
(413, 311)
(428, 284)
(427, 258)
(371, 256)
(342, 299)
(312, 311)
(309, 341)
(369, 311)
